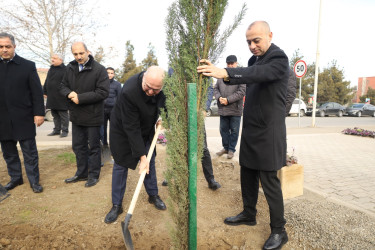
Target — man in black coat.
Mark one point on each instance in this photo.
(263, 141)
(55, 100)
(21, 108)
(85, 85)
(132, 129)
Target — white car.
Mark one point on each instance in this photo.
(294, 110)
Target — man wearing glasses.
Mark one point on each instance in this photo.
(132, 128)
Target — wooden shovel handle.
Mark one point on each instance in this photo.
(143, 174)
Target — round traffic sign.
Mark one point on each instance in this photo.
(300, 68)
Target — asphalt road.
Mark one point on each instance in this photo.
(306, 121)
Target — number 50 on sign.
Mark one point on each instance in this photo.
(300, 68)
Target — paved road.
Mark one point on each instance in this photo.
(340, 167)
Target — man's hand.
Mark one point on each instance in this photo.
(223, 101)
(144, 165)
(38, 120)
(73, 96)
(211, 70)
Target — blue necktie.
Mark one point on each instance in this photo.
(80, 67)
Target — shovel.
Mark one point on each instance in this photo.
(125, 224)
(3, 193)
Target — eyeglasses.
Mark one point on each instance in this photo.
(149, 88)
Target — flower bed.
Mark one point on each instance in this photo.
(359, 132)
(161, 139)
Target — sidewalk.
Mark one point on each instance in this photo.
(339, 167)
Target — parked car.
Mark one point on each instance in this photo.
(298, 103)
(213, 110)
(328, 108)
(360, 109)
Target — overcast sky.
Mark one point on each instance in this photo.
(347, 33)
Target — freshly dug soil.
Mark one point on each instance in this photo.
(70, 216)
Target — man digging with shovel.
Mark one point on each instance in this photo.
(132, 128)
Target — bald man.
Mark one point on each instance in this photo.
(132, 128)
(263, 140)
(85, 85)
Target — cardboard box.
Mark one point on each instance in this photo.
(291, 179)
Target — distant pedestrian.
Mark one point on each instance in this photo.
(21, 109)
(230, 105)
(55, 100)
(86, 85)
(109, 102)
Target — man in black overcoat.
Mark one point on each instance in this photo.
(85, 85)
(263, 141)
(132, 128)
(21, 108)
(55, 100)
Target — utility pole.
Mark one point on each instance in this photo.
(316, 68)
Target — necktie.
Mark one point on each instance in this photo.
(80, 67)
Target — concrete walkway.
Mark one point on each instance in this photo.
(339, 167)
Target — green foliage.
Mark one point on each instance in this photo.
(331, 84)
(67, 158)
(99, 55)
(192, 34)
(130, 68)
(370, 94)
(151, 59)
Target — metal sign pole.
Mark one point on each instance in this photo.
(299, 103)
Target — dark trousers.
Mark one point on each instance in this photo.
(60, 120)
(30, 156)
(206, 161)
(272, 190)
(120, 175)
(86, 146)
(229, 130)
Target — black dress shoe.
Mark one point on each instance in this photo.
(159, 204)
(64, 134)
(240, 219)
(212, 184)
(13, 184)
(276, 241)
(37, 188)
(164, 183)
(116, 210)
(75, 179)
(53, 133)
(91, 182)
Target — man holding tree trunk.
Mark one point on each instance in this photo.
(263, 141)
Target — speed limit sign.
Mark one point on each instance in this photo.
(300, 68)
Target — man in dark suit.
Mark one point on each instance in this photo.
(85, 85)
(263, 141)
(55, 100)
(21, 108)
(132, 129)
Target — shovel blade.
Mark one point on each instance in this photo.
(3, 193)
(126, 233)
(106, 154)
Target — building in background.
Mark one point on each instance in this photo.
(363, 84)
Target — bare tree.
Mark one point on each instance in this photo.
(44, 27)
